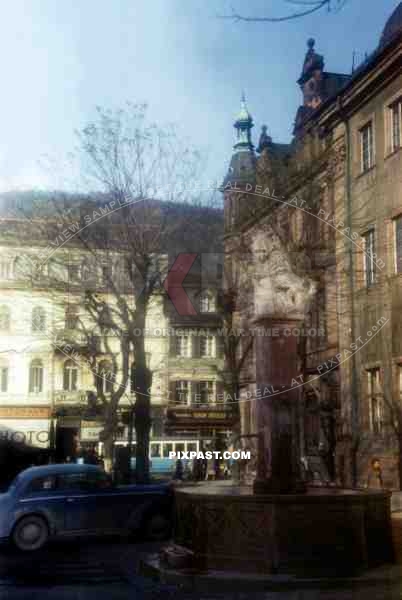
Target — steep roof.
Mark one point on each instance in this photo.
(392, 27)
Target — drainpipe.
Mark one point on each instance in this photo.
(351, 273)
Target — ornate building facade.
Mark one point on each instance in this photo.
(49, 391)
(333, 197)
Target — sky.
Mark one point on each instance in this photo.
(60, 59)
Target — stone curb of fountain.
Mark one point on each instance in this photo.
(385, 576)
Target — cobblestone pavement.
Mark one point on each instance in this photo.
(107, 569)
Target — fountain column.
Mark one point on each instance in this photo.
(281, 299)
(277, 394)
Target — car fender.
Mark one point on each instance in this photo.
(147, 508)
(38, 512)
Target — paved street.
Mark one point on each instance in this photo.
(106, 568)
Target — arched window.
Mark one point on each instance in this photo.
(38, 319)
(70, 376)
(5, 318)
(3, 375)
(207, 302)
(36, 376)
(106, 377)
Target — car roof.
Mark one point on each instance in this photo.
(56, 469)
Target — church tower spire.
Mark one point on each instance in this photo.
(243, 125)
(241, 175)
(242, 164)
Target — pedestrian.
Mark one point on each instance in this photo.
(178, 473)
(374, 478)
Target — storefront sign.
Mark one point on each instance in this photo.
(90, 434)
(33, 432)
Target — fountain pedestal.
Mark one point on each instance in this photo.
(277, 394)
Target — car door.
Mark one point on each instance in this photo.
(79, 502)
(42, 496)
(112, 505)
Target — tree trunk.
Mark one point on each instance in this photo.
(108, 445)
(142, 423)
(400, 461)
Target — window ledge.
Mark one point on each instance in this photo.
(366, 172)
(393, 153)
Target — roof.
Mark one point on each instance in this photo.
(44, 470)
(392, 27)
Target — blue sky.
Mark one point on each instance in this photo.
(61, 59)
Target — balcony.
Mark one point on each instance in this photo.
(71, 337)
(77, 397)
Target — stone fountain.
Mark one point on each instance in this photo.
(280, 525)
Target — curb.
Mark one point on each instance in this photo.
(222, 581)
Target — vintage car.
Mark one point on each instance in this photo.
(71, 500)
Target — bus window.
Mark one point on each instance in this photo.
(155, 450)
(191, 446)
(166, 449)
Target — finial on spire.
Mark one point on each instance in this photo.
(265, 139)
(310, 43)
(243, 124)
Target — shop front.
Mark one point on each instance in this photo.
(25, 439)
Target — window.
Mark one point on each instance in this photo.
(3, 377)
(205, 393)
(398, 244)
(38, 319)
(88, 271)
(182, 392)
(183, 345)
(396, 119)
(71, 318)
(73, 273)
(207, 346)
(36, 377)
(167, 448)
(4, 318)
(70, 376)
(367, 147)
(375, 400)
(155, 450)
(42, 484)
(5, 269)
(105, 377)
(369, 257)
(207, 303)
(105, 274)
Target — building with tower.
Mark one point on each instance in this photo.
(333, 196)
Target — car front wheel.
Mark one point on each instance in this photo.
(30, 533)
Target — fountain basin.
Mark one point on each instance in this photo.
(324, 532)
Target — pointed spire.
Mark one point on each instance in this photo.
(243, 162)
(244, 124)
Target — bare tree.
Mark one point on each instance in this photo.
(304, 8)
(126, 229)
